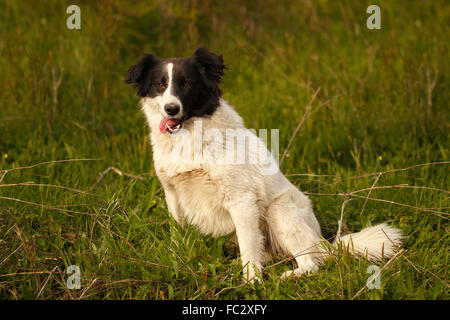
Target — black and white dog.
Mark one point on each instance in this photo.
(190, 127)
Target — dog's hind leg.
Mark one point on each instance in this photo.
(294, 231)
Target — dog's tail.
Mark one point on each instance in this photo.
(373, 243)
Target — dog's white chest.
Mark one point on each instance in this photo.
(201, 201)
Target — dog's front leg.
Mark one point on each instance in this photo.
(173, 205)
(245, 216)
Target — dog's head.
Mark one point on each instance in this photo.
(180, 88)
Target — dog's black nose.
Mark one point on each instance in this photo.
(172, 109)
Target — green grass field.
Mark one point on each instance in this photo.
(377, 133)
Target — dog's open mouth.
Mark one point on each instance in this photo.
(170, 125)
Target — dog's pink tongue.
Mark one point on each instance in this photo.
(167, 122)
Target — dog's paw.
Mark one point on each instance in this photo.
(299, 272)
(286, 275)
(252, 274)
(252, 281)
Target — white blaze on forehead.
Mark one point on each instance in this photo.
(169, 72)
(167, 96)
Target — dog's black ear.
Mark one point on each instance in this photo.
(138, 75)
(211, 65)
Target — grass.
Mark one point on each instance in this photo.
(376, 133)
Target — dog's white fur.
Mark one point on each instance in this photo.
(266, 211)
(168, 97)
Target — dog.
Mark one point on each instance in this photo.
(267, 213)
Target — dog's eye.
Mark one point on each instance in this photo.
(161, 85)
(187, 85)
